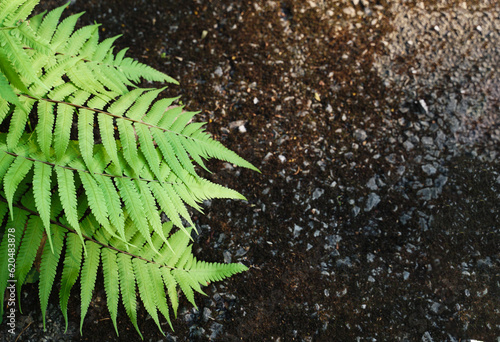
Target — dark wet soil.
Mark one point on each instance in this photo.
(290, 85)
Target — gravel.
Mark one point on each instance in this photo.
(377, 131)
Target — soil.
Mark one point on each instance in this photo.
(375, 215)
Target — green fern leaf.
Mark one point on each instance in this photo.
(86, 136)
(7, 93)
(127, 288)
(90, 46)
(148, 149)
(127, 139)
(9, 72)
(17, 55)
(168, 153)
(112, 200)
(133, 204)
(166, 204)
(71, 271)
(187, 284)
(150, 210)
(7, 8)
(63, 31)
(41, 193)
(48, 26)
(18, 221)
(53, 75)
(45, 125)
(28, 249)
(16, 173)
(18, 123)
(21, 13)
(103, 48)
(141, 105)
(67, 194)
(204, 272)
(106, 129)
(110, 271)
(158, 110)
(31, 39)
(136, 159)
(5, 107)
(88, 276)
(48, 266)
(134, 70)
(171, 286)
(78, 39)
(36, 20)
(64, 120)
(5, 161)
(146, 290)
(182, 120)
(158, 289)
(95, 197)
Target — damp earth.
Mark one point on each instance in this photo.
(376, 127)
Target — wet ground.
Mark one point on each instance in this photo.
(376, 125)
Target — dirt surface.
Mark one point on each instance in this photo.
(376, 126)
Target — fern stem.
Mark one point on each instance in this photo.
(107, 113)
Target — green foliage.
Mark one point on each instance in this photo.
(88, 161)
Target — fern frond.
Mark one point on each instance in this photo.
(31, 39)
(45, 125)
(95, 197)
(158, 289)
(8, 70)
(204, 272)
(133, 204)
(146, 289)
(7, 93)
(47, 26)
(110, 271)
(7, 8)
(64, 120)
(73, 106)
(15, 53)
(15, 174)
(64, 31)
(21, 13)
(88, 276)
(71, 271)
(48, 266)
(18, 122)
(113, 203)
(41, 193)
(135, 70)
(4, 250)
(67, 194)
(127, 288)
(5, 161)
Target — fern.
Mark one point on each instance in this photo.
(89, 161)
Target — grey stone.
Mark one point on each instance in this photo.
(296, 230)
(429, 169)
(372, 185)
(425, 194)
(218, 71)
(372, 201)
(360, 135)
(344, 263)
(318, 192)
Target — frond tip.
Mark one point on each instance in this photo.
(97, 172)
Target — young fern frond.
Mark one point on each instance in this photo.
(89, 161)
